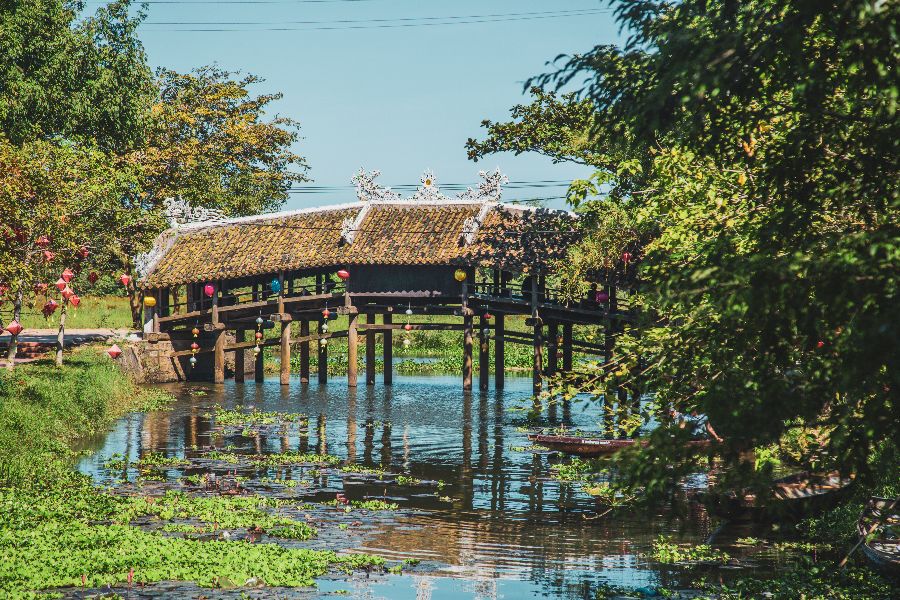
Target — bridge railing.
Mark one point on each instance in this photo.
(593, 300)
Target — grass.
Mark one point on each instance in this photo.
(94, 312)
(58, 530)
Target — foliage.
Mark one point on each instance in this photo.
(666, 551)
(238, 416)
(753, 143)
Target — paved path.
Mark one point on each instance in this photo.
(36, 342)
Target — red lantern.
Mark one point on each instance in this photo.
(42, 242)
(50, 307)
(83, 252)
(209, 289)
(40, 288)
(601, 296)
(259, 335)
(326, 313)
(67, 275)
(626, 257)
(115, 351)
(74, 300)
(61, 284)
(195, 346)
(93, 277)
(67, 292)
(488, 316)
(125, 279)
(407, 327)
(15, 328)
(48, 256)
(343, 274)
(820, 344)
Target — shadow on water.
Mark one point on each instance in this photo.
(493, 524)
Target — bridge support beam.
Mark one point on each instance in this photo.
(285, 353)
(553, 348)
(304, 352)
(370, 350)
(240, 366)
(499, 349)
(219, 357)
(538, 366)
(567, 347)
(388, 342)
(467, 352)
(484, 343)
(352, 350)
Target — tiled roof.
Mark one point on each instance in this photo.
(397, 233)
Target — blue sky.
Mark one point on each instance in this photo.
(398, 99)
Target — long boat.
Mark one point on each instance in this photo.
(592, 447)
(879, 527)
(790, 498)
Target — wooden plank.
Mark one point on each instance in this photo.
(413, 326)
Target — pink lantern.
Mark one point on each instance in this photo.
(626, 257)
(48, 256)
(67, 292)
(343, 274)
(209, 289)
(125, 279)
(601, 297)
(488, 316)
(15, 328)
(407, 327)
(50, 307)
(93, 277)
(67, 275)
(61, 284)
(74, 300)
(42, 242)
(115, 351)
(195, 346)
(83, 252)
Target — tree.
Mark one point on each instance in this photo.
(758, 141)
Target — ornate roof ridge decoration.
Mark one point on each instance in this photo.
(489, 190)
(349, 227)
(179, 211)
(367, 190)
(473, 224)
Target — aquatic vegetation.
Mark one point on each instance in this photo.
(354, 468)
(294, 458)
(576, 469)
(253, 417)
(154, 399)
(373, 505)
(666, 551)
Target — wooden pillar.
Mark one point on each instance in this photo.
(499, 357)
(538, 366)
(304, 352)
(259, 372)
(219, 344)
(285, 352)
(240, 366)
(567, 347)
(388, 342)
(467, 338)
(352, 350)
(370, 350)
(483, 354)
(323, 355)
(553, 337)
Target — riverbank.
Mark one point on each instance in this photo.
(58, 530)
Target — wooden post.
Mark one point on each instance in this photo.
(567, 347)
(483, 354)
(538, 366)
(285, 352)
(467, 338)
(304, 352)
(219, 348)
(499, 357)
(352, 350)
(239, 357)
(388, 342)
(323, 355)
(553, 337)
(370, 350)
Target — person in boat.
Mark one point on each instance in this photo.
(698, 425)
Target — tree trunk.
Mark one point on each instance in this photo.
(61, 335)
(14, 339)
(137, 312)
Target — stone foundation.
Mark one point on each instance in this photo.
(153, 362)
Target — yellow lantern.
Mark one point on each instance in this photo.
(149, 301)
(459, 275)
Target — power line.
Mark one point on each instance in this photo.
(371, 24)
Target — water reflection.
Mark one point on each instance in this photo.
(498, 522)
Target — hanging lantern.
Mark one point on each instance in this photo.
(343, 274)
(406, 342)
(276, 286)
(485, 332)
(74, 300)
(323, 342)
(409, 311)
(488, 316)
(259, 335)
(40, 288)
(50, 307)
(626, 257)
(326, 313)
(601, 296)
(67, 292)
(83, 252)
(259, 321)
(42, 242)
(407, 327)
(195, 331)
(93, 277)
(48, 256)
(61, 284)
(115, 351)
(459, 275)
(125, 279)
(149, 301)
(14, 327)
(193, 361)
(195, 346)
(324, 328)
(67, 275)
(256, 350)
(209, 289)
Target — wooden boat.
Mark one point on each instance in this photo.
(790, 498)
(592, 447)
(879, 527)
